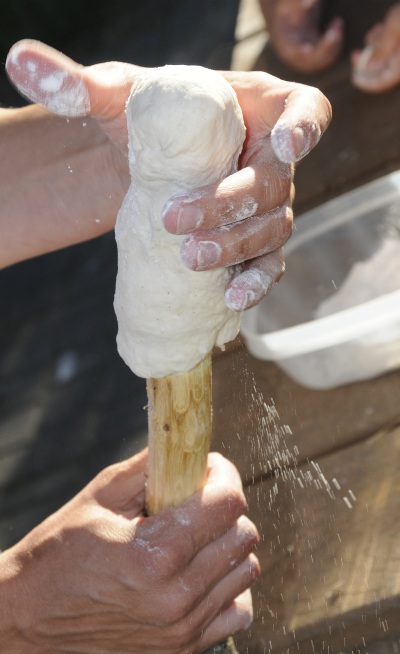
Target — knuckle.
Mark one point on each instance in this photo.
(165, 544)
(250, 530)
(105, 476)
(236, 501)
(254, 567)
(178, 601)
(166, 560)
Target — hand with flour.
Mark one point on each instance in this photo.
(97, 576)
(247, 217)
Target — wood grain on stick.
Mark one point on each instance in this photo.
(179, 414)
(180, 423)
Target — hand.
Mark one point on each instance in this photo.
(97, 576)
(249, 214)
(376, 68)
(293, 27)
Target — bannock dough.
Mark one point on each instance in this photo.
(185, 130)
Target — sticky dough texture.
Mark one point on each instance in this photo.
(185, 130)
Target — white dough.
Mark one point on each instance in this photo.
(185, 130)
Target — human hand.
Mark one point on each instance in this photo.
(293, 27)
(376, 68)
(249, 214)
(98, 576)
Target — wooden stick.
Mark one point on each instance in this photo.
(180, 422)
(180, 419)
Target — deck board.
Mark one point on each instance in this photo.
(320, 421)
(330, 572)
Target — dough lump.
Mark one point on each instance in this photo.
(185, 130)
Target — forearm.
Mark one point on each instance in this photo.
(61, 182)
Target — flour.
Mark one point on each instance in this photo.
(59, 91)
(185, 131)
(367, 280)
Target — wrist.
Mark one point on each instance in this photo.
(13, 596)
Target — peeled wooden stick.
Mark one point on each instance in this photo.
(180, 423)
(179, 415)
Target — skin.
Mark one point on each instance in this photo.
(284, 122)
(376, 68)
(298, 42)
(296, 37)
(99, 577)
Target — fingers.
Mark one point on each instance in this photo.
(306, 117)
(214, 562)
(237, 617)
(46, 76)
(242, 227)
(229, 603)
(259, 277)
(120, 487)
(238, 242)
(247, 218)
(316, 56)
(181, 532)
(318, 52)
(376, 68)
(372, 72)
(253, 190)
(296, 38)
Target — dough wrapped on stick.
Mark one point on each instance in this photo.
(186, 130)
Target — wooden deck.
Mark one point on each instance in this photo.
(69, 406)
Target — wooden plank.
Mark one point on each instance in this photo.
(331, 567)
(320, 421)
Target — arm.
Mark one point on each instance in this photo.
(99, 573)
(50, 194)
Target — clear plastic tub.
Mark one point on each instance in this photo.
(334, 318)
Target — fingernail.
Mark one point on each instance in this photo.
(181, 219)
(200, 255)
(301, 141)
(247, 289)
(238, 299)
(189, 217)
(249, 619)
(291, 144)
(281, 139)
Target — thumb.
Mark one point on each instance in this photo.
(121, 487)
(47, 77)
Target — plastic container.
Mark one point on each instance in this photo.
(334, 318)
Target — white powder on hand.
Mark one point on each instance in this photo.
(185, 130)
